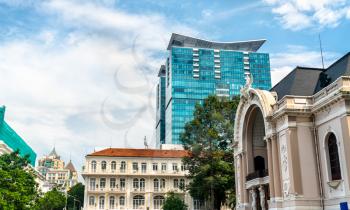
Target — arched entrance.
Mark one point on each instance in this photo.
(255, 144)
(257, 181)
(252, 150)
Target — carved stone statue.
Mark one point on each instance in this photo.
(248, 80)
(254, 195)
(262, 197)
(248, 85)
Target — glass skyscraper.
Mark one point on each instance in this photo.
(197, 68)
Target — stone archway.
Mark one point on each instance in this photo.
(253, 159)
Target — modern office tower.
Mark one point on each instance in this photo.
(160, 115)
(197, 68)
(10, 141)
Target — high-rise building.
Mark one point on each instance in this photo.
(10, 141)
(197, 68)
(160, 115)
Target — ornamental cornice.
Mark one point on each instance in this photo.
(291, 112)
(327, 102)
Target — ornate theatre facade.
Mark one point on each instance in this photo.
(292, 144)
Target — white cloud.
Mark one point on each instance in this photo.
(57, 80)
(283, 63)
(301, 14)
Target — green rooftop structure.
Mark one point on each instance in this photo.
(12, 140)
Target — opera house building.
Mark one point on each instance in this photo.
(292, 143)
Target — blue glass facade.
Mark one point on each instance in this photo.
(192, 74)
(13, 140)
(160, 116)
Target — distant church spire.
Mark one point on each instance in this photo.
(53, 153)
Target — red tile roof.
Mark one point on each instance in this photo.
(123, 152)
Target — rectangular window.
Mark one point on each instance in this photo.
(92, 183)
(135, 166)
(122, 183)
(175, 167)
(143, 167)
(155, 166)
(102, 182)
(112, 183)
(163, 166)
(176, 183)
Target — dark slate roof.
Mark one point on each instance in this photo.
(301, 82)
(340, 68)
(305, 81)
(178, 40)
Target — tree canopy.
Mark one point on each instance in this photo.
(174, 202)
(52, 200)
(18, 189)
(208, 138)
(76, 196)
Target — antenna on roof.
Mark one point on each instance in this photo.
(145, 142)
(319, 38)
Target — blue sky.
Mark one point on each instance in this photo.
(81, 74)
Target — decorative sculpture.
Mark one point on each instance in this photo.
(254, 195)
(262, 197)
(247, 86)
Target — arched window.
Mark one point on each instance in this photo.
(93, 166)
(111, 202)
(121, 200)
(91, 200)
(101, 204)
(158, 202)
(142, 184)
(334, 157)
(113, 165)
(122, 166)
(135, 183)
(162, 183)
(103, 165)
(259, 163)
(138, 202)
(156, 185)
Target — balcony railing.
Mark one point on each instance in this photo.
(257, 174)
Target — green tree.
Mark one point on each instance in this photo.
(208, 138)
(52, 200)
(76, 196)
(174, 202)
(18, 189)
